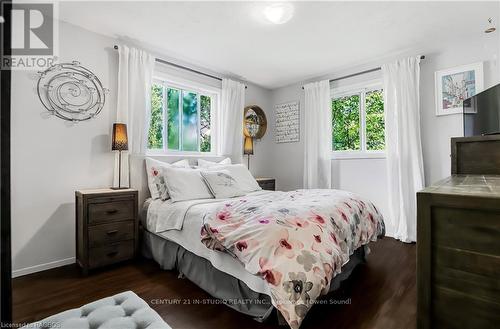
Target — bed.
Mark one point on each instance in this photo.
(172, 238)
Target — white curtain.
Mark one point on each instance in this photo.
(403, 143)
(135, 74)
(231, 120)
(318, 135)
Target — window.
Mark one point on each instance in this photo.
(358, 127)
(181, 119)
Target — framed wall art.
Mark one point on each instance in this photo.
(456, 84)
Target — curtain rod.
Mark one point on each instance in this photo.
(159, 60)
(359, 73)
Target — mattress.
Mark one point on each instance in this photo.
(181, 222)
(172, 239)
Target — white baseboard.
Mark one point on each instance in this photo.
(42, 267)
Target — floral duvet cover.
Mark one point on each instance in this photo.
(297, 241)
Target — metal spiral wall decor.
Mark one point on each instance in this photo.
(71, 92)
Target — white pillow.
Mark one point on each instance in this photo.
(156, 181)
(207, 164)
(222, 184)
(185, 184)
(240, 173)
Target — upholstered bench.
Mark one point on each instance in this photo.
(122, 311)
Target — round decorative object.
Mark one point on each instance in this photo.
(71, 92)
(254, 122)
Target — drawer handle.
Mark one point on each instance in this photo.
(112, 232)
(112, 211)
(112, 254)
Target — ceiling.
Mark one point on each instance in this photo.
(232, 38)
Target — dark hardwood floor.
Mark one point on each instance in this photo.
(382, 294)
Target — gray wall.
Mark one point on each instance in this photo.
(262, 159)
(51, 158)
(368, 177)
(436, 131)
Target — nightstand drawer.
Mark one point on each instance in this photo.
(104, 234)
(111, 211)
(114, 253)
(268, 186)
(106, 227)
(267, 183)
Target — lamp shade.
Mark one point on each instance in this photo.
(248, 146)
(120, 140)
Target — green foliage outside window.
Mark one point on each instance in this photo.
(189, 121)
(346, 123)
(173, 119)
(375, 124)
(205, 144)
(155, 133)
(183, 129)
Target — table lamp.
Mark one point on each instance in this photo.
(248, 148)
(119, 143)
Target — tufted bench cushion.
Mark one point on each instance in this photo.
(122, 311)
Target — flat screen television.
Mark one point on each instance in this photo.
(482, 113)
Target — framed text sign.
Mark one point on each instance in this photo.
(287, 122)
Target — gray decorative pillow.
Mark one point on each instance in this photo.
(222, 184)
(186, 184)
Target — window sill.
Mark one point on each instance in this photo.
(358, 155)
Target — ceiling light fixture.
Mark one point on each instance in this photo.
(279, 13)
(491, 28)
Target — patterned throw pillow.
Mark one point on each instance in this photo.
(156, 179)
(222, 184)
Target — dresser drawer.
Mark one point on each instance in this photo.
(104, 234)
(110, 254)
(458, 257)
(472, 230)
(452, 309)
(110, 211)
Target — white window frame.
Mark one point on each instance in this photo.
(361, 89)
(199, 89)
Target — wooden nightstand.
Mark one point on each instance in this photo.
(267, 183)
(106, 227)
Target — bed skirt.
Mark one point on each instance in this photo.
(231, 291)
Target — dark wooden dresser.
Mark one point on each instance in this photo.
(106, 227)
(458, 243)
(267, 183)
